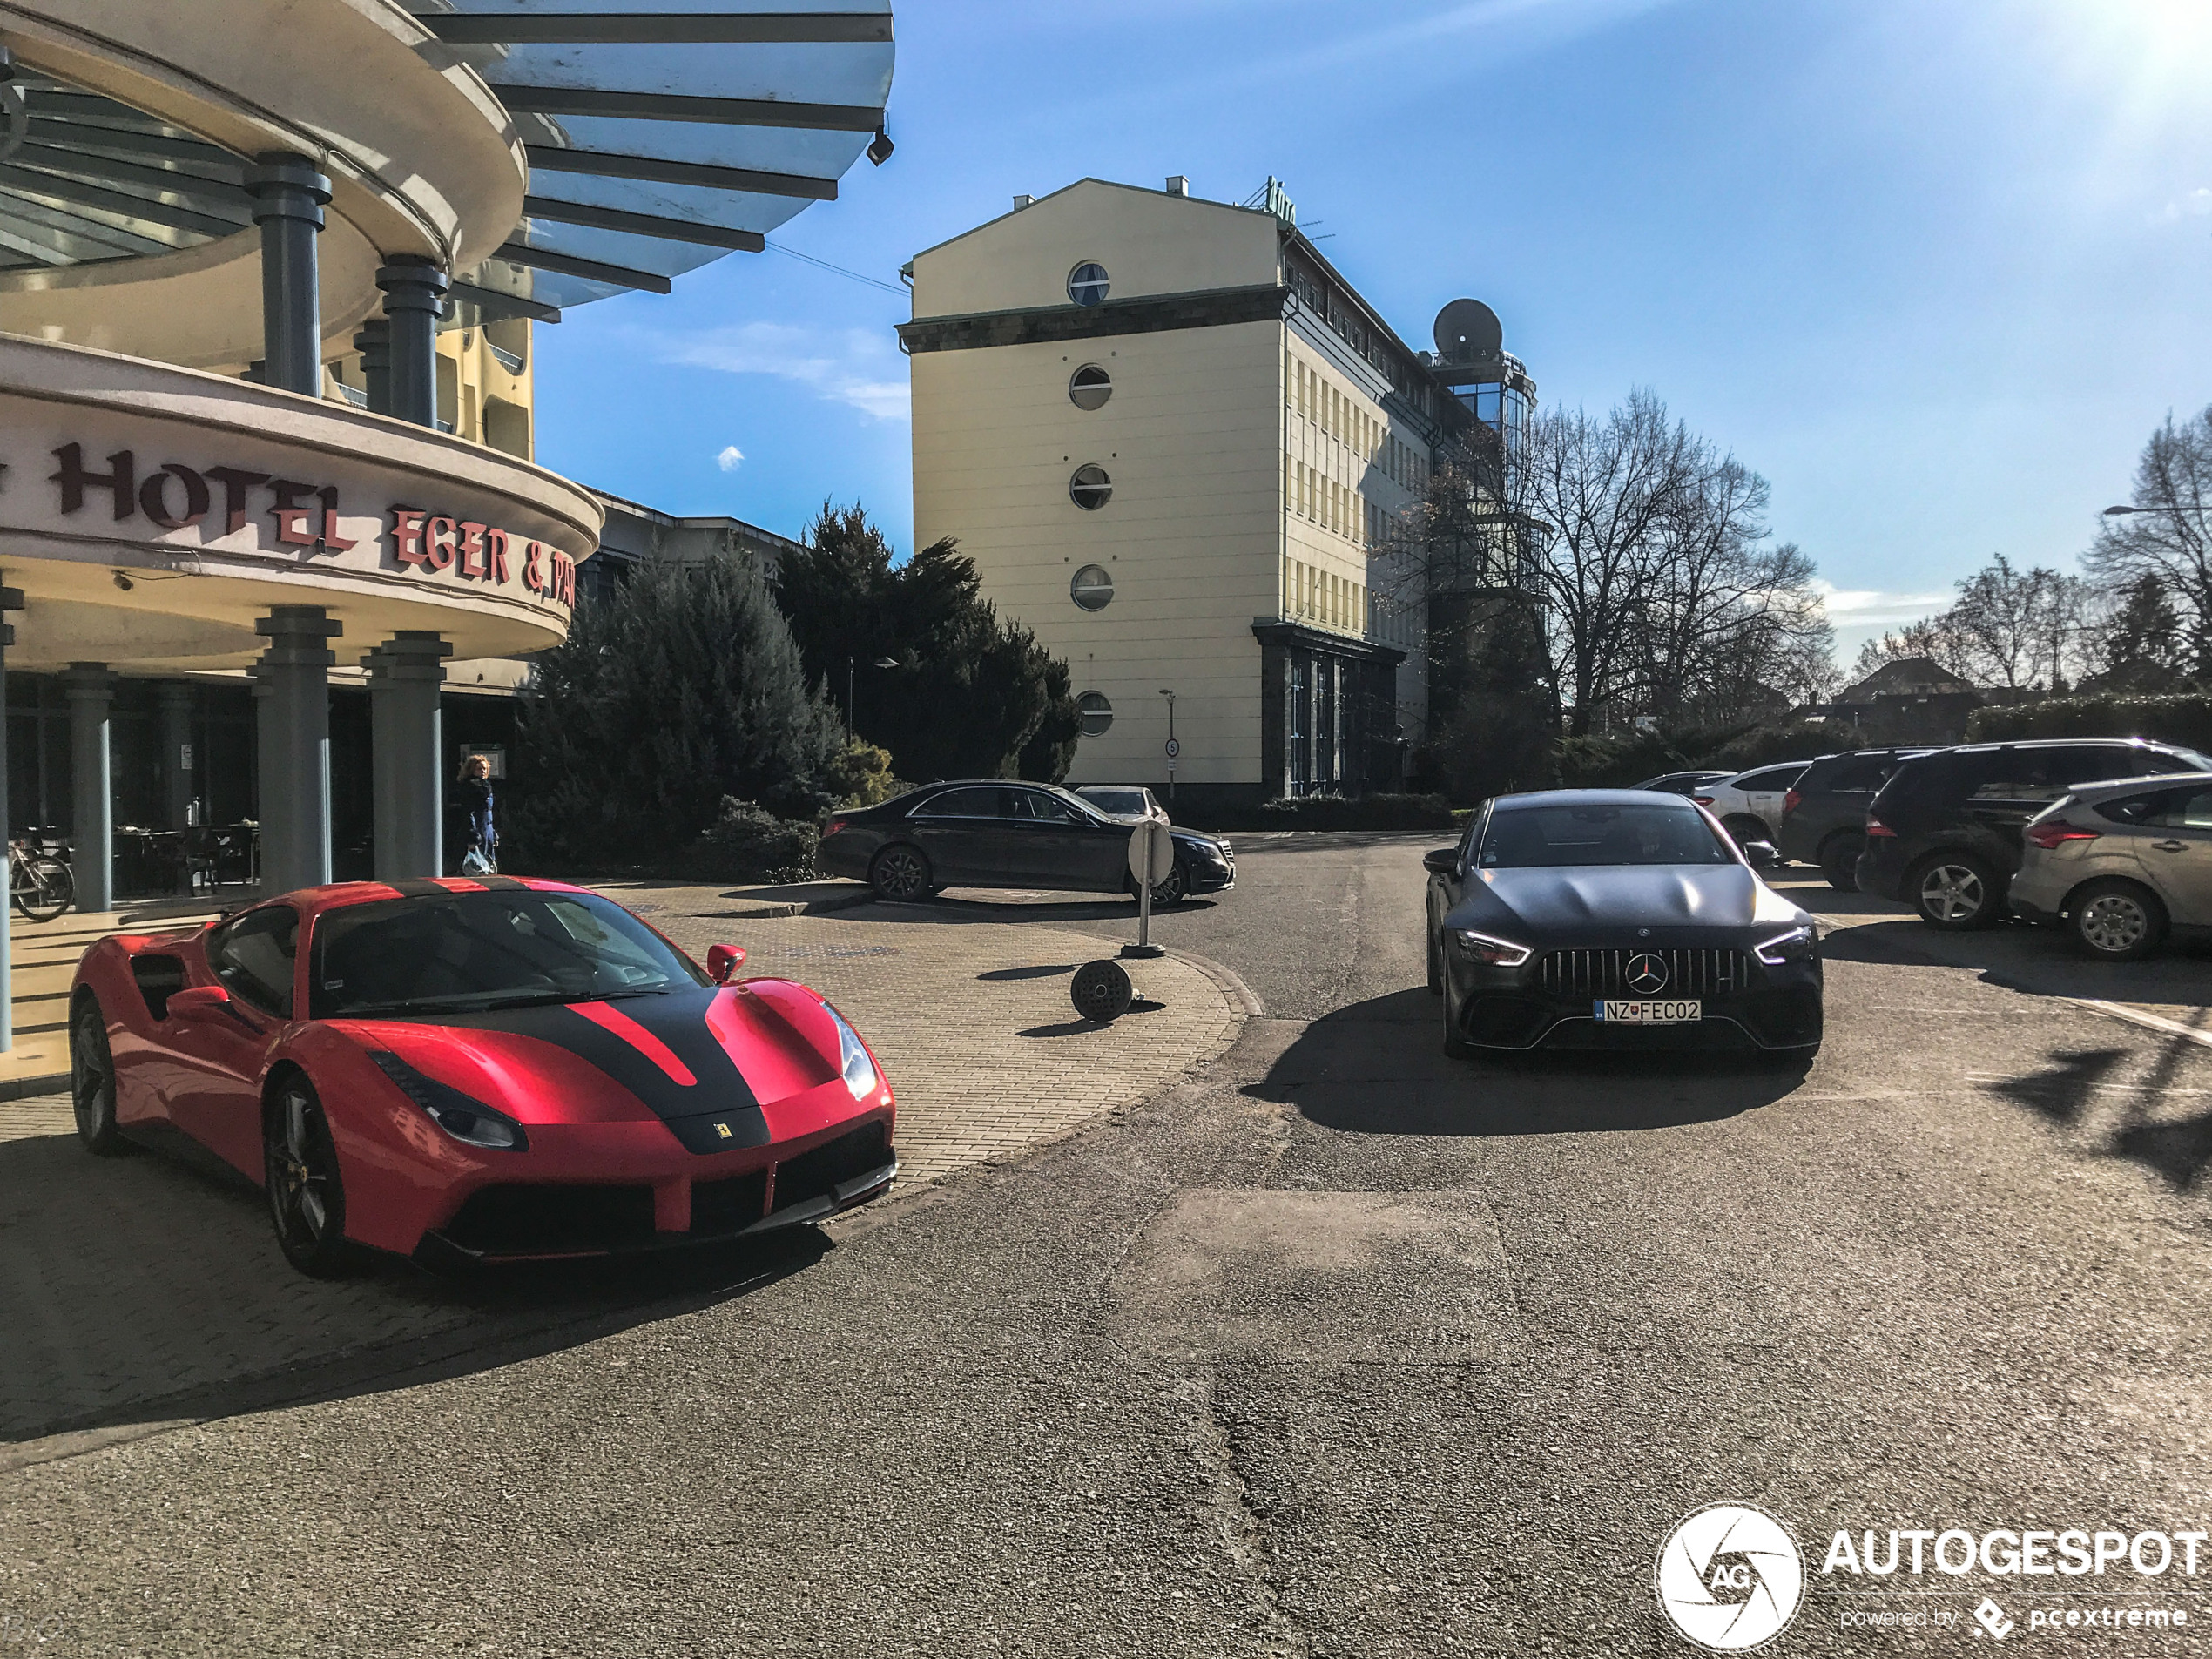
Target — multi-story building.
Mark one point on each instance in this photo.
(1177, 443)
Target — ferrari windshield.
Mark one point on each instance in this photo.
(479, 950)
(1524, 838)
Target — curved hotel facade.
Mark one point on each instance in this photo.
(268, 271)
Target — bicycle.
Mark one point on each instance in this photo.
(42, 886)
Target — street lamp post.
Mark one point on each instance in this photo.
(881, 662)
(1174, 748)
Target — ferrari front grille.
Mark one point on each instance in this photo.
(1605, 971)
(811, 1175)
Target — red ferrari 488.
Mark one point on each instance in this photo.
(479, 1069)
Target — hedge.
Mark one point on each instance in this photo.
(1335, 812)
(2185, 719)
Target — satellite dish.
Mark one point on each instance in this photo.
(1468, 328)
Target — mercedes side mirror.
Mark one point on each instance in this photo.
(722, 961)
(194, 998)
(1444, 860)
(1761, 855)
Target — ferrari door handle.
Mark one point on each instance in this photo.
(2170, 846)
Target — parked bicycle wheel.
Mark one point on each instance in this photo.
(43, 887)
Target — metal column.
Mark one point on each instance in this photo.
(414, 296)
(288, 198)
(404, 675)
(92, 693)
(174, 699)
(10, 599)
(295, 747)
(374, 344)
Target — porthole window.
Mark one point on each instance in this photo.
(1090, 488)
(1098, 714)
(1090, 387)
(1087, 284)
(1092, 589)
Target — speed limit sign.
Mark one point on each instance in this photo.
(1175, 748)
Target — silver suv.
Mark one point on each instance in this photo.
(2120, 864)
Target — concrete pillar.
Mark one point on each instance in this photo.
(408, 770)
(288, 199)
(414, 294)
(10, 599)
(174, 699)
(295, 718)
(374, 344)
(92, 693)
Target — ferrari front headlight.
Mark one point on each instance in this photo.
(854, 1064)
(462, 1116)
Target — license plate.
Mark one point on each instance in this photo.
(1678, 1013)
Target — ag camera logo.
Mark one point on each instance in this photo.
(1730, 1577)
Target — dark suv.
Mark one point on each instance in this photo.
(1823, 816)
(1943, 835)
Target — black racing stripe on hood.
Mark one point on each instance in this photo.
(678, 1019)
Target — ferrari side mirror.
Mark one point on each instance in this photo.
(195, 997)
(722, 961)
(1444, 860)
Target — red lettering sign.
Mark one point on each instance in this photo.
(438, 541)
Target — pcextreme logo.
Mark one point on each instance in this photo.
(1730, 1577)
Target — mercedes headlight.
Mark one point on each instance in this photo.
(1487, 948)
(854, 1064)
(1796, 946)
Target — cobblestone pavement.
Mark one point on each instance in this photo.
(127, 1283)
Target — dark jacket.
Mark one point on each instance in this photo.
(475, 798)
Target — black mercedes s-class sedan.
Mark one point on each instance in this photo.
(1614, 919)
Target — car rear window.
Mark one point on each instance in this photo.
(1849, 774)
(2040, 774)
(1772, 778)
(2161, 808)
(1526, 837)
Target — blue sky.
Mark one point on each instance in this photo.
(1935, 270)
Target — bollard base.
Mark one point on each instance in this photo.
(1146, 951)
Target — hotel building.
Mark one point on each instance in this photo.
(1178, 445)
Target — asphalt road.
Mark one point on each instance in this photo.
(1339, 1348)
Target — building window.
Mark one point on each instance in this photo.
(1092, 589)
(1090, 387)
(1090, 488)
(1098, 714)
(1087, 284)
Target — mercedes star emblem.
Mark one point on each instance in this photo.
(1647, 974)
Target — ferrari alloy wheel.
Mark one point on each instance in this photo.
(901, 875)
(2116, 920)
(306, 1198)
(1955, 891)
(91, 1079)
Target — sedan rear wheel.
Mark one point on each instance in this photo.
(1839, 861)
(91, 1079)
(307, 1194)
(901, 875)
(1956, 892)
(2116, 920)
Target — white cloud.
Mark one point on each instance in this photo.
(2196, 205)
(853, 367)
(1876, 607)
(730, 459)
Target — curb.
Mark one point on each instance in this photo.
(805, 907)
(23, 1087)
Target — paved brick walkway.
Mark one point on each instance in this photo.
(130, 1281)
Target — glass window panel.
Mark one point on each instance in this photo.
(814, 153)
(845, 72)
(737, 210)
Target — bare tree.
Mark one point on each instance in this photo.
(1934, 637)
(2169, 535)
(2017, 625)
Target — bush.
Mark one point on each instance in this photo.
(861, 776)
(1767, 746)
(1371, 812)
(1615, 763)
(748, 843)
(2185, 719)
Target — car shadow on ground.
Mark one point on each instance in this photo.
(1377, 1067)
(146, 1288)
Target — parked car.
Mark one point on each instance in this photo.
(1749, 803)
(487, 1069)
(1823, 813)
(1132, 801)
(2120, 866)
(1682, 783)
(986, 833)
(1944, 835)
(1608, 918)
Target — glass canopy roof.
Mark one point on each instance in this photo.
(661, 134)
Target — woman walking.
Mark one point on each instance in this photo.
(481, 856)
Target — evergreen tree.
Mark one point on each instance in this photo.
(681, 690)
(971, 696)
